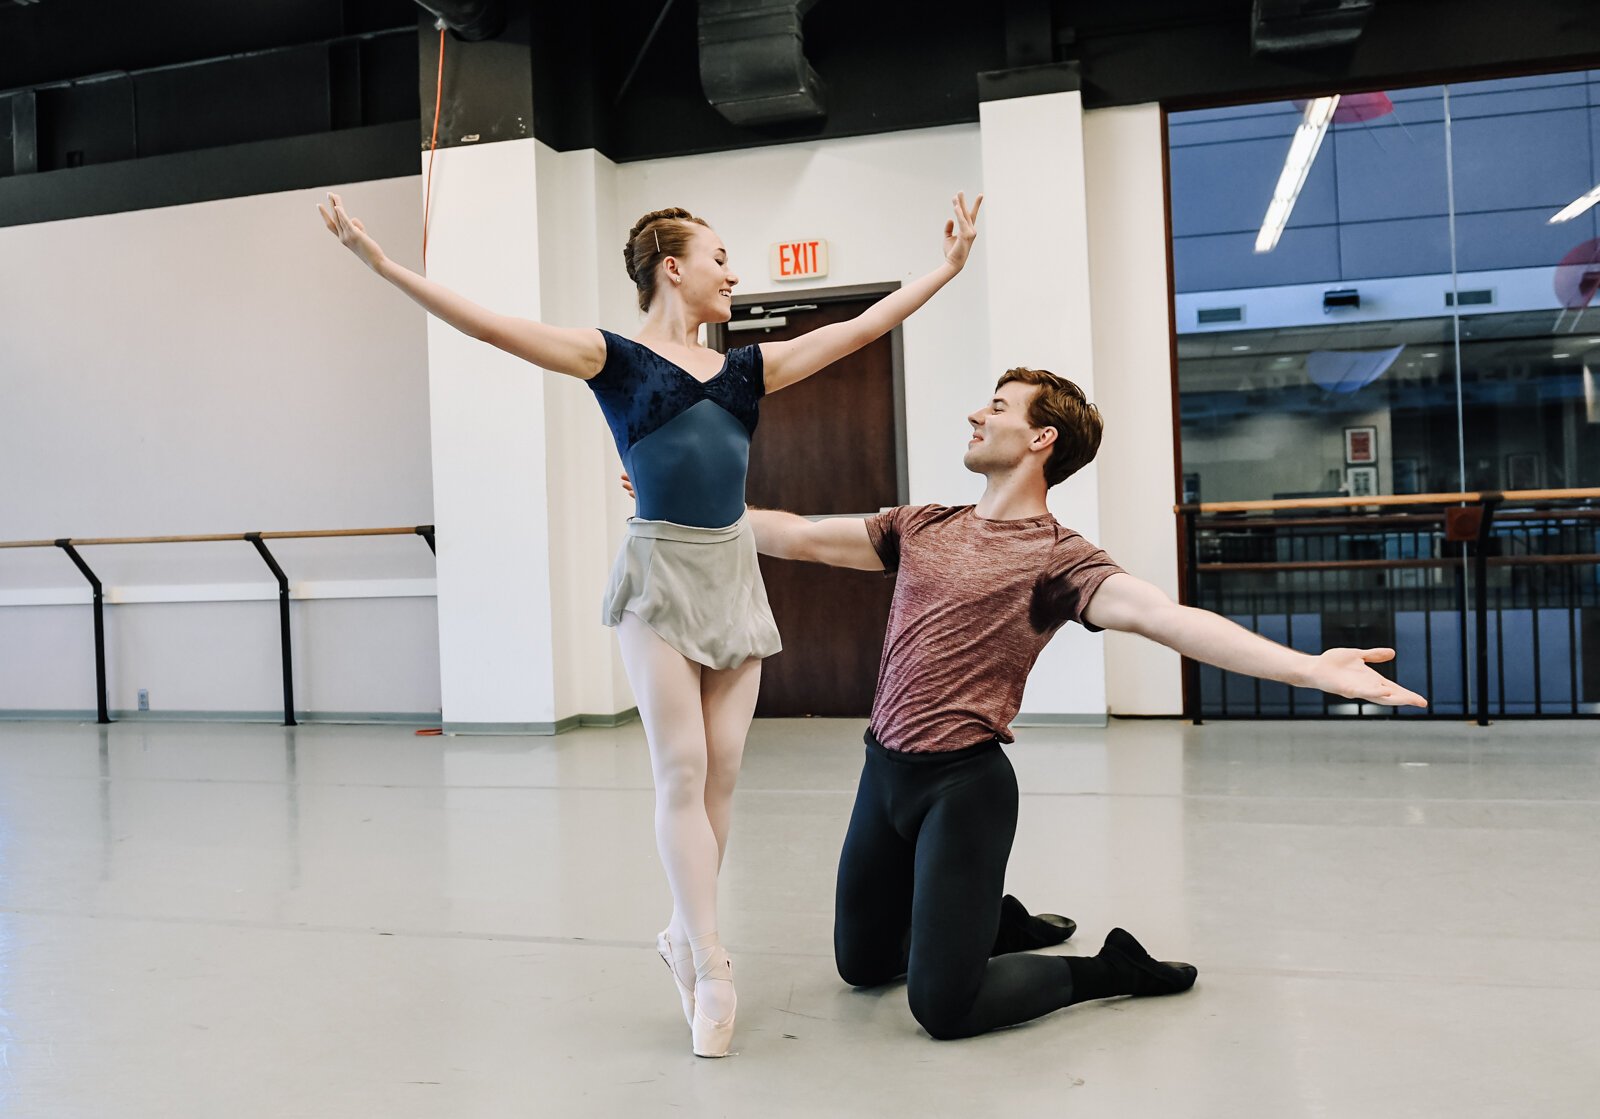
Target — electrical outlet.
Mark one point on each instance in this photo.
(144, 699)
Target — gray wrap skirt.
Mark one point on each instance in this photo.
(700, 589)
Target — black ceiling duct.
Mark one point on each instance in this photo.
(753, 64)
(472, 20)
(1305, 25)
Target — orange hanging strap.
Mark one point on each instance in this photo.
(433, 145)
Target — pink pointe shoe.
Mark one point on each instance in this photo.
(685, 991)
(713, 1038)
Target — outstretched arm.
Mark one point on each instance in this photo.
(836, 541)
(798, 358)
(1131, 605)
(576, 352)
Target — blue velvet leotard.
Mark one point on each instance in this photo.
(685, 444)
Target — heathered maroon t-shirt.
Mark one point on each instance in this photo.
(975, 601)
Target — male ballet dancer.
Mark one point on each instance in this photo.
(979, 592)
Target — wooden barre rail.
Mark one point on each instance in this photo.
(1388, 500)
(319, 533)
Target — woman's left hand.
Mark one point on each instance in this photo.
(961, 230)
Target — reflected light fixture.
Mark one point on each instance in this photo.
(1296, 166)
(1577, 206)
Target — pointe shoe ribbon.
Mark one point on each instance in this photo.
(685, 990)
(713, 1038)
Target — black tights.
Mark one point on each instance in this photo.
(920, 882)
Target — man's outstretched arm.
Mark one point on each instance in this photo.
(836, 541)
(1131, 605)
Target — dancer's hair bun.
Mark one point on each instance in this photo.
(654, 237)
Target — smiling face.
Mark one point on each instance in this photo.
(1003, 440)
(702, 277)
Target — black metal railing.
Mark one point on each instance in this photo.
(1491, 601)
(256, 540)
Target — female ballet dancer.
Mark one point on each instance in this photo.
(685, 593)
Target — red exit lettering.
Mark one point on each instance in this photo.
(797, 258)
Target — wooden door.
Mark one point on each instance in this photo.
(827, 445)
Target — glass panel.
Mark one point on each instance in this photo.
(1325, 365)
(1522, 150)
(1392, 293)
(1521, 153)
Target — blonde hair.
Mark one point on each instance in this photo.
(653, 238)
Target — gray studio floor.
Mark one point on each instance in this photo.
(242, 921)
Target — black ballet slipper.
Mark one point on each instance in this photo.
(1021, 931)
(1139, 972)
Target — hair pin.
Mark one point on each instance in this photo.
(657, 236)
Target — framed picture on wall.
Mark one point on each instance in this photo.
(1522, 471)
(1361, 481)
(1360, 445)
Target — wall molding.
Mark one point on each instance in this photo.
(560, 726)
(119, 715)
(1084, 719)
(309, 590)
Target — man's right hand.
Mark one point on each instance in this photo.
(627, 484)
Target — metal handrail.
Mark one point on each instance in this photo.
(1468, 519)
(69, 545)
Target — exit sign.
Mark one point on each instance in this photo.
(794, 260)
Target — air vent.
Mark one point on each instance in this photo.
(1219, 314)
(1304, 25)
(753, 65)
(1478, 298)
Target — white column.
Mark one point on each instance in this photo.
(1036, 219)
(581, 263)
(1133, 356)
(491, 504)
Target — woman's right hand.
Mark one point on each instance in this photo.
(351, 233)
(627, 484)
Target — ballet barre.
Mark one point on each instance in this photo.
(70, 546)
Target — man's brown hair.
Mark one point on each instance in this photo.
(1060, 404)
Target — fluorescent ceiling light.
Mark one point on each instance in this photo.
(1296, 166)
(1577, 206)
